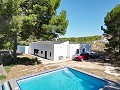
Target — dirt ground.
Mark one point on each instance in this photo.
(90, 67)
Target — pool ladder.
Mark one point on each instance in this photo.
(5, 86)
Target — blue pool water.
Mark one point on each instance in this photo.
(62, 79)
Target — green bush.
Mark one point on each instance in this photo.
(7, 60)
(23, 59)
(28, 61)
(36, 61)
(117, 63)
(2, 77)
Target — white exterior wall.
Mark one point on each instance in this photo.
(32, 47)
(26, 49)
(64, 49)
(23, 49)
(61, 50)
(73, 49)
(86, 47)
(42, 47)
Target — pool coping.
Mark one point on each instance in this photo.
(15, 86)
(110, 84)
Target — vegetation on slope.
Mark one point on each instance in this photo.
(88, 39)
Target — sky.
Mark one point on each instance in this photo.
(86, 16)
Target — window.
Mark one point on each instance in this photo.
(50, 54)
(36, 51)
(77, 52)
(41, 52)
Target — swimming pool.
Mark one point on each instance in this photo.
(61, 79)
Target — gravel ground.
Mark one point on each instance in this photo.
(91, 67)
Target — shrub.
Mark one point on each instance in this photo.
(36, 61)
(23, 59)
(118, 63)
(2, 77)
(28, 61)
(7, 60)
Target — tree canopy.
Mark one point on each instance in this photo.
(112, 21)
(22, 19)
(42, 20)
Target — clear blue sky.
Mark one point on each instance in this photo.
(86, 16)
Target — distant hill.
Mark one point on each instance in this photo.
(87, 39)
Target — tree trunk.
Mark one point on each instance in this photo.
(15, 47)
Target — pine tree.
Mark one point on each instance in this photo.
(112, 21)
(26, 18)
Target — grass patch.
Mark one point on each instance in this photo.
(8, 68)
(2, 77)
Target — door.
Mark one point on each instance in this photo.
(45, 54)
(36, 51)
(83, 50)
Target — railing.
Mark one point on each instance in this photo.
(5, 86)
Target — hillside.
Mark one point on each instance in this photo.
(87, 39)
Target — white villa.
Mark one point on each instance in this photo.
(54, 50)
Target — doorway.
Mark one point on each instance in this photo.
(36, 51)
(83, 50)
(45, 54)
